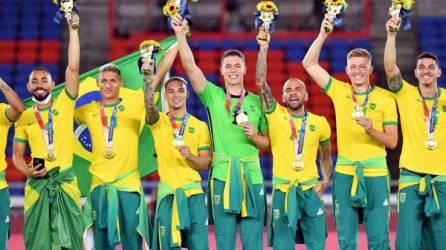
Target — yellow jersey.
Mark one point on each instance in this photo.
(5, 123)
(414, 155)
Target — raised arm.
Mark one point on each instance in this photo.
(326, 166)
(310, 62)
(196, 76)
(152, 115)
(165, 65)
(16, 107)
(72, 71)
(265, 93)
(394, 79)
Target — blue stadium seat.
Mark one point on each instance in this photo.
(212, 77)
(275, 45)
(50, 34)
(8, 33)
(338, 66)
(361, 43)
(206, 44)
(294, 55)
(295, 44)
(229, 44)
(250, 44)
(5, 69)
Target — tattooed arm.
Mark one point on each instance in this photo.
(394, 79)
(152, 115)
(266, 96)
(16, 106)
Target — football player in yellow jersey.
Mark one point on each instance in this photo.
(116, 208)
(297, 212)
(9, 113)
(183, 148)
(422, 183)
(366, 123)
(51, 192)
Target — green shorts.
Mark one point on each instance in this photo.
(414, 229)
(312, 229)
(4, 218)
(196, 237)
(128, 217)
(375, 215)
(251, 228)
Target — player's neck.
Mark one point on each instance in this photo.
(298, 112)
(43, 106)
(428, 90)
(178, 113)
(110, 101)
(234, 89)
(361, 88)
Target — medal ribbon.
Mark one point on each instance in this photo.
(429, 118)
(180, 133)
(355, 100)
(239, 102)
(48, 135)
(108, 132)
(299, 143)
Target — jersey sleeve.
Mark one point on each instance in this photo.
(335, 88)
(390, 114)
(20, 134)
(325, 132)
(208, 93)
(204, 139)
(4, 119)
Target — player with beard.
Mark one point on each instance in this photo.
(366, 122)
(296, 135)
(422, 183)
(9, 113)
(239, 129)
(52, 198)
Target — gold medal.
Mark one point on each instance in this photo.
(51, 154)
(178, 142)
(241, 117)
(431, 144)
(109, 152)
(298, 164)
(357, 114)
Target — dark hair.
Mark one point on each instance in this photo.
(233, 52)
(109, 67)
(430, 55)
(40, 68)
(175, 78)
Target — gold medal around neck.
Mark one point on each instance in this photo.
(241, 118)
(431, 144)
(109, 152)
(298, 164)
(51, 154)
(357, 114)
(178, 142)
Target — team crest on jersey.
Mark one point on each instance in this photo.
(121, 107)
(276, 214)
(402, 197)
(312, 127)
(217, 199)
(55, 112)
(191, 130)
(372, 106)
(444, 109)
(252, 108)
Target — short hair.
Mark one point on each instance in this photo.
(232, 52)
(111, 67)
(430, 55)
(175, 78)
(40, 68)
(359, 52)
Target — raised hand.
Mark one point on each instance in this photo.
(179, 25)
(393, 25)
(263, 38)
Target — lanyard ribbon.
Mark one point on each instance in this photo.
(179, 133)
(299, 143)
(48, 135)
(108, 132)
(355, 100)
(429, 118)
(238, 104)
